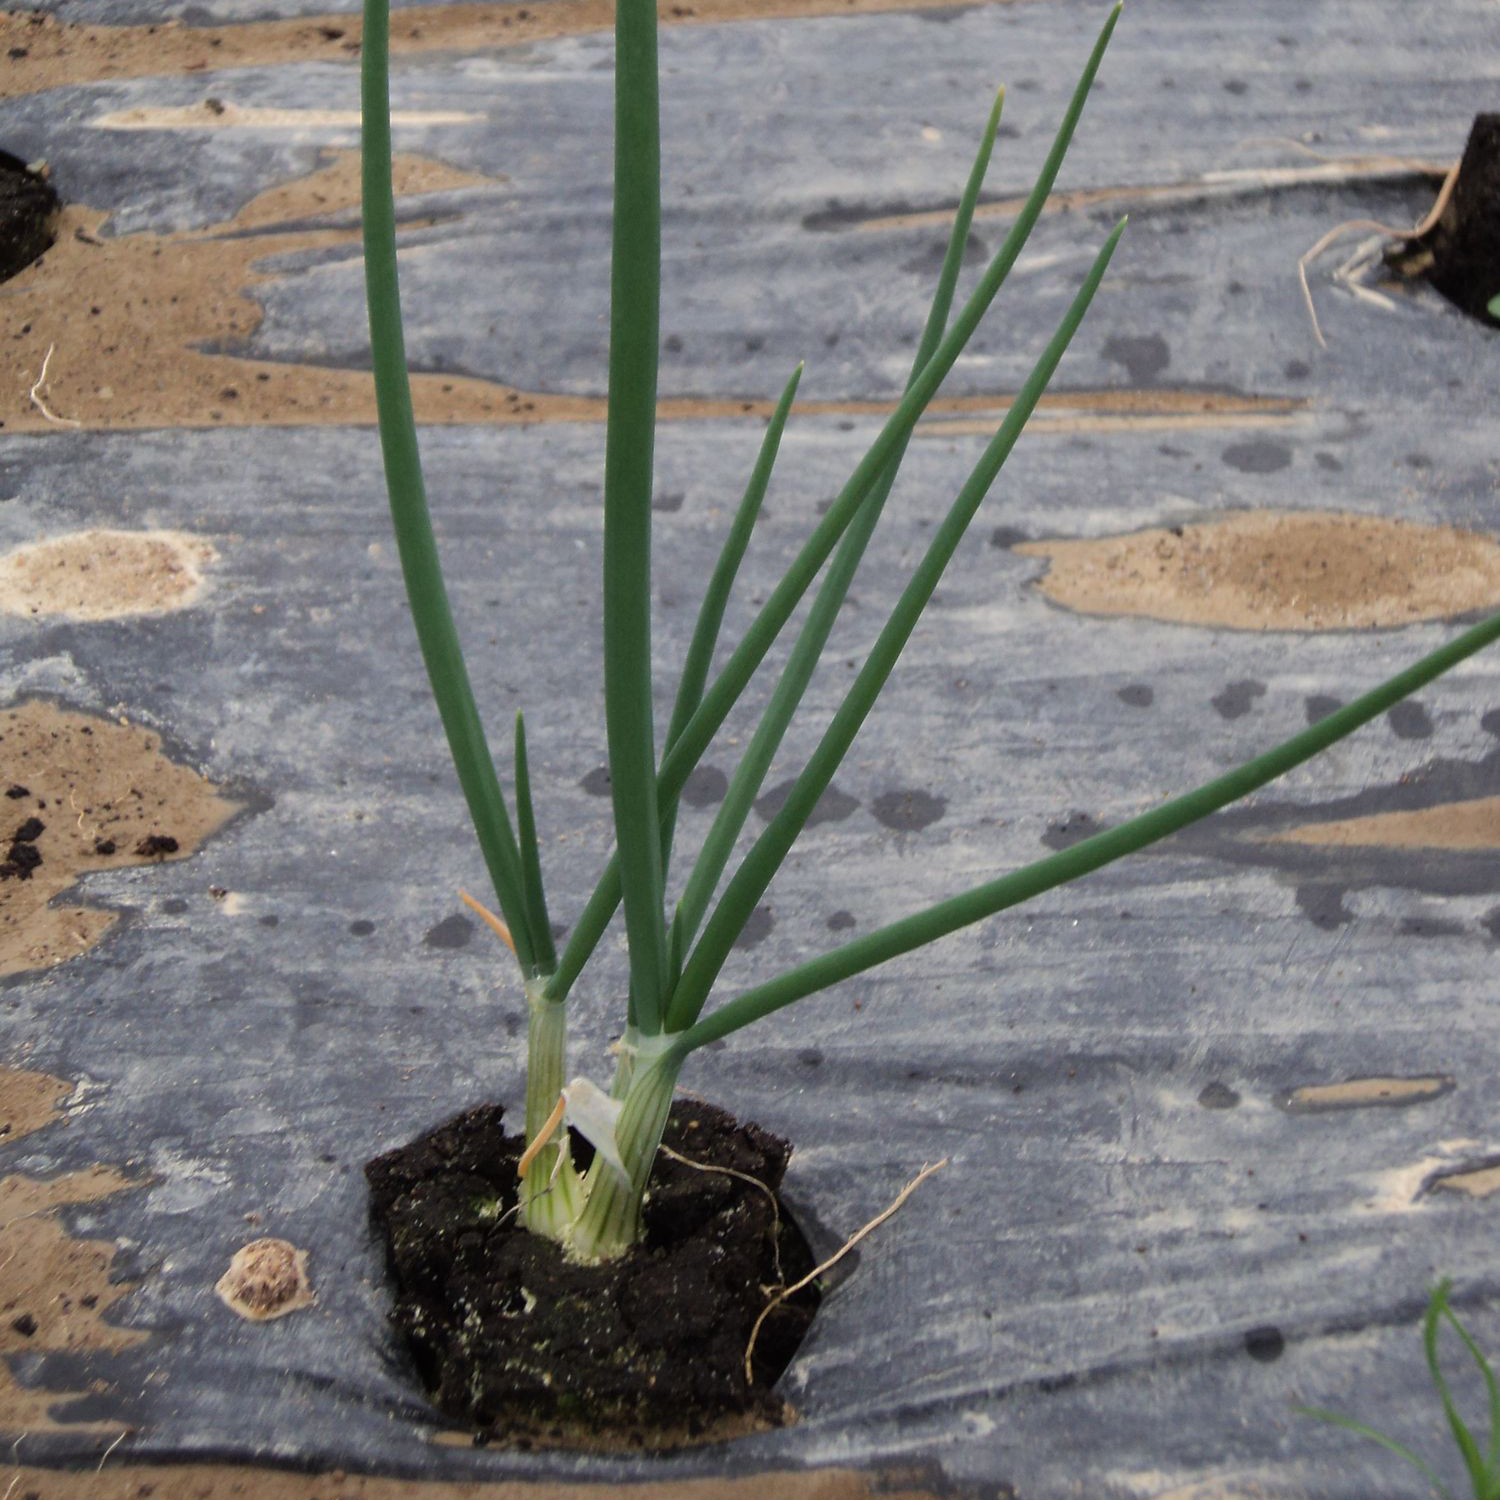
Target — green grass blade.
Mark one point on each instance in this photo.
(1390, 1444)
(413, 526)
(635, 291)
(756, 761)
(1083, 858)
(700, 652)
(724, 692)
(1437, 1306)
(1492, 1391)
(767, 854)
(531, 857)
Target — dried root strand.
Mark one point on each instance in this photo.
(1428, 222)
(36, 395)
(755, 1182)
(854, 1239)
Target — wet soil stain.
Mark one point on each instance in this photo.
(909, 810)
(1410, 721)
(1143, 356)
(1257, 456)
(706, 786)
(1071, 829)
(1238, 698)
(451, 932)
(832, 807)
(756, 929)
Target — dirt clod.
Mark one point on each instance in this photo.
(266, 1279)
(1460, 254)
(28, 213)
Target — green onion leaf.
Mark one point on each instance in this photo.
(1389, 1443)
(635, 288)
(756, 761)
(413, 525)
(531, 858)
(683, 755)
(1090, 854)
(700, 652)
(1473, 1461)
(770, 849)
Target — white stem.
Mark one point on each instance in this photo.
(611, 1219)
(550, 1194)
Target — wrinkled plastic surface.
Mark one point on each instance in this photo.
(1124, 1280)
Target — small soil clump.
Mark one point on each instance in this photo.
(1460, 254)
(28, 213)
(521, 1345)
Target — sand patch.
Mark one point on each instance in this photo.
(28, 1101)
(1479, 1183)
(142, 329)
(104, 575)
(1107, 411)
(55, 1289)
(1471, 824)
(1203, 187)
(53, 54)
(220, 115)
(1362, 1093)
(232, 1482)
(1275, 570)
(105, 796)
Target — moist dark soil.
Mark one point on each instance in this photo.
(1460, 254)
(28, 209)
(520, 1345)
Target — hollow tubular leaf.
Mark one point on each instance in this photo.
(724, 692)
(700, 652)
(531, 858)
(635, 288)
(1083, 858)
(770, 849)
(413, 525)
(750, 774)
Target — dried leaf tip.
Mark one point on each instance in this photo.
(501, 930)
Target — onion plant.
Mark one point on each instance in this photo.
(676, 955)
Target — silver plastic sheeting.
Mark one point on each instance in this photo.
(1149, 1246)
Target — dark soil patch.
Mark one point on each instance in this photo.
(520, 1345)
(1460, 254)
(28, 208)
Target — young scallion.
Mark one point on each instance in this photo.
(676, 958)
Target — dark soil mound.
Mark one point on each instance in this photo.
(518, 1343)
(28, 207)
